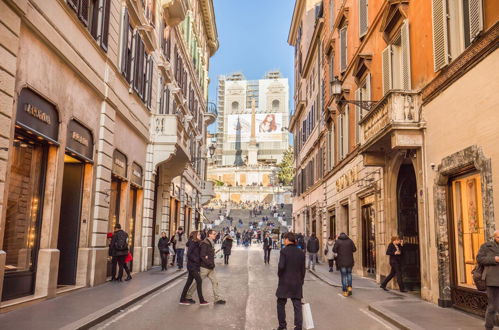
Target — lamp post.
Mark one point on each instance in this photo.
(337, 90)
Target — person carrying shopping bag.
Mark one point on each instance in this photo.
(394, 250)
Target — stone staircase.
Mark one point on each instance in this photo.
(244, 215)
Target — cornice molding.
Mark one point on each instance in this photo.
(295, 20)
(210, 25)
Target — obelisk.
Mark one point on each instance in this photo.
(252, 148)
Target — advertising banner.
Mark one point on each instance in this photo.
(268, 127)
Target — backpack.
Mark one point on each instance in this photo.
(479, 278)
(121, 243)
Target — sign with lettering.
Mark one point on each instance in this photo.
(37, 115)
(347, 179)
(137, 174)
(80, 140)
(119, 164)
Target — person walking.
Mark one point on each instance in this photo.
(394, 250)
(119, 248)
(227, 248)
(164, 250)
(180, 240)
(207, 264)
(114, 260)
(267, 248)
(328, 252)
(344, 248)
(312, 249)
(488, 256)
(291, 272)
(194, 269)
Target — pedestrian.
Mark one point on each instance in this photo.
(173, 248)
(164, 250)
(193, 267)
(227, 248)
(180, 240)
(114, 260)
(394, 250)
(488, 256)
(329, 254)
(207, 264)
(344, 248)
(301, 242)
(312, 249)
(267, 248)
(119, 247)
(291, 272)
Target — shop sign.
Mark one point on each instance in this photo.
(119, 164)
(137, 174)
(37, 115)
(347, 179)
(80, 140)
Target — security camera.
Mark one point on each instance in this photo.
(432, 165)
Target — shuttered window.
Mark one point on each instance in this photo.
(94, 15)
(475, 17)
(346, 134)
(127, 48)
(105, 24)
(343, 48)
(386, 57)
(165, 101)
(358, 115)
(331, 15)
(363, 18)
(396, 62)
(406, 56)
(440, 36)
(341, 135)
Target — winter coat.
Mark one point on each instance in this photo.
(180, 242)
(291, 271)
(267, 243)
(313, 245)
(193, 256)
(330, 255)
(345, 248)
(486, 256)
(118, 236)
(227, 245)
(207, 251)
(395, 259)
(163, 244)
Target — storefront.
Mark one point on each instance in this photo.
(36, 131)
(136, 183)
(368, 226)
(77, 159)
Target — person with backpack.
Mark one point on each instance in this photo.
(119, 249)
(164, 250)
(312, 249)
(180, 241)
(488, 257)
(394, 250)
(344, 247)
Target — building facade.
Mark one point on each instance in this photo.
(407, 135)
(91, 91)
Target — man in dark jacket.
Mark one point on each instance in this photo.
(488, 255)
(291, 272)
(344, 248)
(164, 251)
(119, 248)
(207, 263)
(312, 249)
(267, 247)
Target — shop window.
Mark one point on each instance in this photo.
(469, 232)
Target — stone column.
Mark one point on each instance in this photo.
(148, 232)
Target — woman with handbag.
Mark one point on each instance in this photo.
(164, 250)
(395, 252)
(329, 254)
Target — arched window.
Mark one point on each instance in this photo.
(235, 106)
(275, 105)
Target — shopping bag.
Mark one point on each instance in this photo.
(128, 257)
(308, 321)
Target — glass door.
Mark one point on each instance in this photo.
(368, 241)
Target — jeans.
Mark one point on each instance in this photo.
(164, 260)
(193, 275)
(266, 255)
(396, 271)
(281, 312)
(210, 274)
(180, 258)
(312, 257)
(346, 277)
(492, 307)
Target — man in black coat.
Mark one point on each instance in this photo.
(312, 249)
(488, 256)
(119, 248)
(267, 247)
(344, 248)
(291, 272)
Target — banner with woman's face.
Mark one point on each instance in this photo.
(268, 127)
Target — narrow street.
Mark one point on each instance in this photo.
(249, 288)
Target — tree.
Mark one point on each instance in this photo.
(285, 172)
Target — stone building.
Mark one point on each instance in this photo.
(96, 97)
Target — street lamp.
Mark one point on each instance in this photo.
(211, 150)
(337, 90)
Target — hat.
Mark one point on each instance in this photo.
(109, 235)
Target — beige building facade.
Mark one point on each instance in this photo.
(83, 86)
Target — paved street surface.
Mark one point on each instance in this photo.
(249, 288)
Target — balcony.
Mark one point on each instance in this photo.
(393, 123)
(208, 192)
(211, 113)
(174, 11)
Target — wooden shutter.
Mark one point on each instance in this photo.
(475, 17)
(84, 11)
(406, 56)
(341, 132)
(358, 114)
(124, 43)
(73, 4)
(149, 80)
(387, 69)
(368, 96)
(331, 15)
(343, 48)
(105, 24)
(346, 133)
(362, 18)
(440, 34)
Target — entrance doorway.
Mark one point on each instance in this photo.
(407, 215)
(132, 221)
(114, 212)
(332, 224)
(368, 241)
(69, 223)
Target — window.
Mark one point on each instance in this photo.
(275, 105)
(127, 48)
(164, 107)
(363, 17)
(343, 140)
(396, 62)
(363, 93)
(94, 14)
(456, 24)
(343, 49)
(166, 43)
(331, 72)
(235, 106)
(330, 149)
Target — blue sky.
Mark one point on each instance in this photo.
(253, 38)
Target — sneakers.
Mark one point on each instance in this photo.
(204, 303)
(345, 294)
(349, 289)
(185, 302)
(192, 301)
(220, 302)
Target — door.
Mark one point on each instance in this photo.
(69, 221)
(114, 213)
(131, 222)
(368, 241)
(407, 209)
(332, 224)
